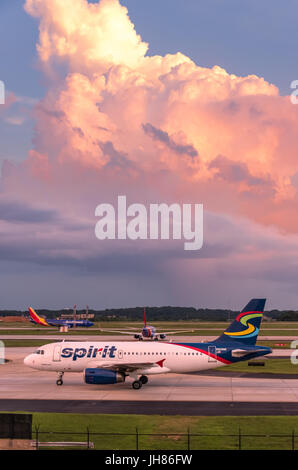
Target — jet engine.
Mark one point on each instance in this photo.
(103, 376)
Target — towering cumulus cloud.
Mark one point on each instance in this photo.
(116, 120)
(111, 104)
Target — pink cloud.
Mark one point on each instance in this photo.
(119, 109)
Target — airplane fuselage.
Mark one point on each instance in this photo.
(68, 323)
(152, 358)
(148, 332)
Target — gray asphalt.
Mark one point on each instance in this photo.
(166, 408)
(209, 393)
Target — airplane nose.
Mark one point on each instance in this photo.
(28, 360)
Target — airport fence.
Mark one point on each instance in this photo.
(139, 440)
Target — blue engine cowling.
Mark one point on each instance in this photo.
(103, 376)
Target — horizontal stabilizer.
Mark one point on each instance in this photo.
(243, 352)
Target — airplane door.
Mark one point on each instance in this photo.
(211, 353)
(56, 354)
(120, 354)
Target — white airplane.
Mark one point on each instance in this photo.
(111, 362)
(147, 332)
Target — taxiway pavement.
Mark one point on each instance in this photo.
(18, 382)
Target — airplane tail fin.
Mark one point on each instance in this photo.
(36, 318)
(145, 323)
(245, 328)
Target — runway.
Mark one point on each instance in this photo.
(215, 392)
(173, 408)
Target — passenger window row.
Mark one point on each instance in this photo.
(164, 353)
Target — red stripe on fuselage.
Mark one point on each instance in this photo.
(214, 356)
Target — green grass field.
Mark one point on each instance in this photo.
(216, 433)
(272, 366)
(21, 343)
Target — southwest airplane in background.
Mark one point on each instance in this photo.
(111, 362)
(147, 332)
(59, 323)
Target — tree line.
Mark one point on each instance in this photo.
(153, 314)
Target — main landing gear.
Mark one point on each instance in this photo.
(59, 380)
(137, 384)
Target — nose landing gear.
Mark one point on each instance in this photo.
(59, 380)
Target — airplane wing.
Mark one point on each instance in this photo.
(137, 331)
(139, 327)
(174, 332)
(126, 367)
(118, 331)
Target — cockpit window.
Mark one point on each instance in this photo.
(39, 351)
